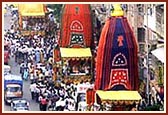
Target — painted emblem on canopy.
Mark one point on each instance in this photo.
(119, 60)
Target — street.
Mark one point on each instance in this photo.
(26, 92)
(79, 61)
(15, 68)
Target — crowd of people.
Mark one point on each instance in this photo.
(58, 97)
(76, 67)
(34, 24)
(34, 54)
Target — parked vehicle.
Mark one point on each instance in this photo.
(19, 104)
(13, 87)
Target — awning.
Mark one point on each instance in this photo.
(159, 54)
(119, 95)
(75, 52)
(31, 9)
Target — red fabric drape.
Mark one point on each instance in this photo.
(90, 95)
(107, 55)
(100, 57)
(80, 13)
(109, 49)
(57, 55)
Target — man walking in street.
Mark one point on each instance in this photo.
(32, 89)
(43, 103)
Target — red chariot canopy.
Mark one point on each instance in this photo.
(117, 61)
(76, 29)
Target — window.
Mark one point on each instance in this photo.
(14, 89)
(141, 47)
(141, 35)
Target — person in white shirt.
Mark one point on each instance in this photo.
(24, 22)
(32, 89)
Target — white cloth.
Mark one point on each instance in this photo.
(33, 87)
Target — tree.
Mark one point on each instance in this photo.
(160, 80)
(155, 107)
(57, 10)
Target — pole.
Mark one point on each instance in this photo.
(147, 42)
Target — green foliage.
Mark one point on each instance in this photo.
(160, 81)
(155, 107)
(57, 10)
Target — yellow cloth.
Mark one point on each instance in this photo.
(117, 10)
(75, 52)
(118, 95)
(31, 9)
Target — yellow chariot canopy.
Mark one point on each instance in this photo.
(31, 9)
(75, 52)
(117, 10)
(119, 95)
